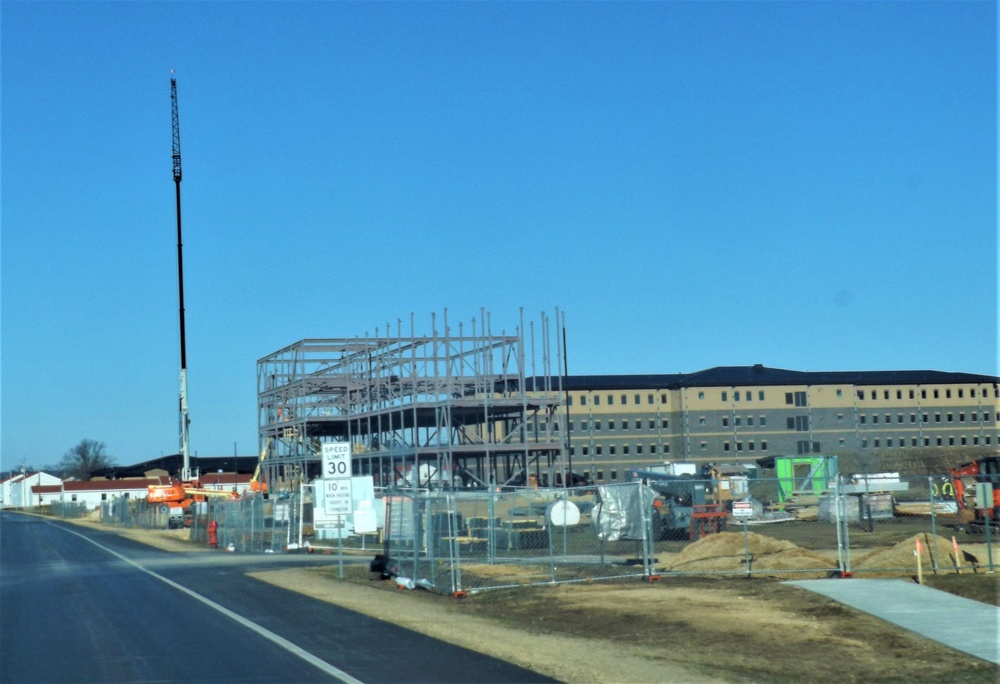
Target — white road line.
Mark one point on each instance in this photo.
(267, 634)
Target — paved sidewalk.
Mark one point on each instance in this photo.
(965, 625)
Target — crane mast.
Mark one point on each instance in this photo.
(184, 420)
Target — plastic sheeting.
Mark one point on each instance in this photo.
(622, 512)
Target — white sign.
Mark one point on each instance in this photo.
(742, 509)
(336, 460)
(337, 497)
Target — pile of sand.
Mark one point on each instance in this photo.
(726, 552)
(902, 558)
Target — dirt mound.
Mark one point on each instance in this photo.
(727, 552)
(901, 557)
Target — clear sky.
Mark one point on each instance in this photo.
(807, 185)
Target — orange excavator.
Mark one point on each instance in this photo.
(964, 479)
(176, 499)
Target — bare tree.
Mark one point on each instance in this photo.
(85, 460)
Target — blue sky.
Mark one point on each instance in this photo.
(807, 185)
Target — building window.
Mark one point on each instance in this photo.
(926, 417)
(763, 420)
(840, 393)
(841, 441)
(949, 416)
(638, 424)
(888, 418)
(624, 425)
(750, 421)
(663, 397)
(961, 417)
(664, 423)
(736, 396)
(636, 400)
(725, 446)
(760, 395)
(624, 399)
(947, 394)
(789, 398)
(913, 417)
(638, 448)
(935, 394)
(911, 397)
(725, 396)
(862, 418)
(937, 417)
(899, 394)
(649, 397)
(876, 442)
(611, 400)
(923, 394)
(597, 400)
(798, 423)
(611, 450)
(739, 446)
(840, 417)
(885, 394)
(913, 441)
(569, 400)
(888, 441)
(861, 395)
(625, 449)
(597, 425)
(598, 450)
(763, 445)
(749, 395)
(749, 446)
(701, 395)
(586, 451)
(583, 400)
(701, 420)
(703, 446)
(652, 424)
(652, 448)
(963, 441)
(899, 418)
(611, 425)
(875, 418)
(614, 474)
(736, 421)
(600, 474)
(725, 422)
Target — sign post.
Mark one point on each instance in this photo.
(744, 510)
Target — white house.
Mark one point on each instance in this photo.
(93, 492)
(17, 490)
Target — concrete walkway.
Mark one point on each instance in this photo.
(965, 625)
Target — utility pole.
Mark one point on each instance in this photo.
(184, 420)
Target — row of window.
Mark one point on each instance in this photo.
(925, 417)
(596, 425)
(747, 395)
(925, 441)
(739, 420)
(622, 399)
(627, 449)
(984, 392)
(739, 445)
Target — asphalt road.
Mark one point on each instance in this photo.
(79, 605)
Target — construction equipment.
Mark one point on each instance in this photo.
(185, 421)
(176, 500)
(964, 479)
(682, 506)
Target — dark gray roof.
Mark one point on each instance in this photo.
(758, 375)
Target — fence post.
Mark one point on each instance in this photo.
(932, 546)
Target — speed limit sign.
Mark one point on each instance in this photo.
(336, 460)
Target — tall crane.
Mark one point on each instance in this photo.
(184, 420)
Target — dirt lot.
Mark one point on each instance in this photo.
(681, 629)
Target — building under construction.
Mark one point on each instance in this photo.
(443, 409)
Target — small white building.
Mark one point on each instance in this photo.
(94, 492)
(17, 490)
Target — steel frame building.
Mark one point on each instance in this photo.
(418, 410)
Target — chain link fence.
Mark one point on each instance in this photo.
(458, 542)
(463, 541)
